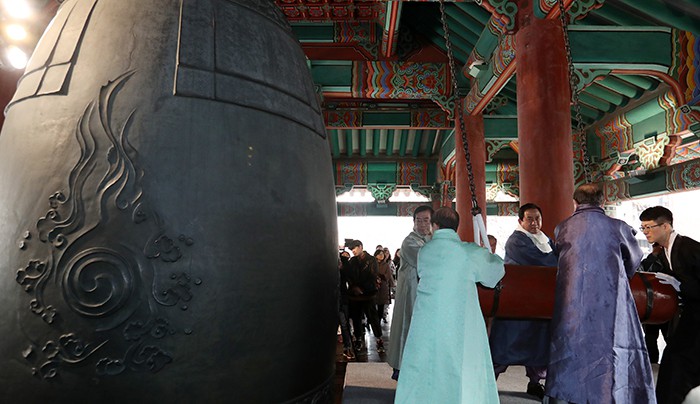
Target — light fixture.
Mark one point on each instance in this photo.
(407, 195)
(16, 32)
(504, 197)
(16, 57)
(18, 9)
(356, 195)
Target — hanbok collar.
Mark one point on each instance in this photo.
(445, 233)
(540, 239)
(424, 239)
(589, 207)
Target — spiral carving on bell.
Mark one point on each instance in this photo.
(98, 282)
(108, 251)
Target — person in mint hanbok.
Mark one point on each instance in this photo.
(597, 353)
(446, 358)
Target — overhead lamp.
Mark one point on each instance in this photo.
(18, 9)
(16, 57)
(15, 32)
(359, 195)
(407, 195)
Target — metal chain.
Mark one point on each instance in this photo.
(459, 119)
(580, 134)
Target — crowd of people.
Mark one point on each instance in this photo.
(367, 284)
(592, 351)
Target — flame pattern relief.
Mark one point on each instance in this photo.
(102, 271)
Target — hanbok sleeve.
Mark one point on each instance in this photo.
(690, 277)
(631, 253)
(409, 252)
(491, 271)
(520, 250)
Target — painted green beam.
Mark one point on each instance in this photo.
(465, 20)
(447, 149)
(390, 141)
(511, 94)
(324, 32)
(619, 17)
(590, 113)
(375, 141)
(363, 141)
(642, 82)
(607, 95)
(509, 109)
(620, 86)
(457, 27)
(596, 103)
(456, 39)
(662, 13)
(331, 73)
(500, 127)
(432, 134)
(403, 143)
(382, 118)
(348, 142)
(417, 142)
(333, 135)
(621, 47)
(475, 11)
(644, 111)
(595, 18)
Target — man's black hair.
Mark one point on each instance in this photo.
(589, 194)
(422, 208)
(658, 214)
(525, 208)
(446, 218)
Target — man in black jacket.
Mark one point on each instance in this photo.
(679, 258)
(361, 273)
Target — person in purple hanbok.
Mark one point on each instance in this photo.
(597, 352)
(525, 342)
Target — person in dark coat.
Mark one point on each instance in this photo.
(679, 258)
(651, 331)
(525, 342)
(386, 283)
(343, 308)
(361, 274)
(597, 352)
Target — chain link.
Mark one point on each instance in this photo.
(459, 119)
(579, 130)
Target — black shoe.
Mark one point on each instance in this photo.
(535, 389)
(380, 346)
(348, 353)
(359, 345)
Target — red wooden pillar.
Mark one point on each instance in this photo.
(544, 117)
(8, 86)
(474, 125)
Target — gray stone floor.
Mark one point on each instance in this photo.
(368, 377)
(369, 383)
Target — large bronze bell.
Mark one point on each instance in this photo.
(167, 216)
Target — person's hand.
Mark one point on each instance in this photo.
(668, 280)
(657, 249)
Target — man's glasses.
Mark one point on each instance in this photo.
(649, 227)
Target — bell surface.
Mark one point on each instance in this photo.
(167, 208)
